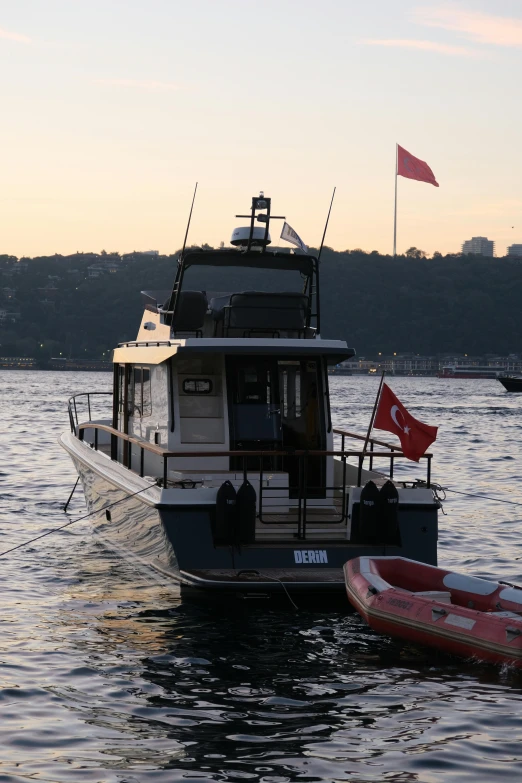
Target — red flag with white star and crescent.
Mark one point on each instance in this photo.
(415, 436)
(413, 168)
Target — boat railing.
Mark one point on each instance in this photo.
(82, 404)
(395, 451)
(304, 510)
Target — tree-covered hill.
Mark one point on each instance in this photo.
(81, 306)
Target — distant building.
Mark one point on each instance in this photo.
(514, 250)
(137, 255)
(8, 317)
(95, 270)
(479, 246)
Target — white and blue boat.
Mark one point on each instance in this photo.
(216, 462)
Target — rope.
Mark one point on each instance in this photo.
(284, 588)
(438, 488)
(62, 527)
(482, 497)
(253, 572)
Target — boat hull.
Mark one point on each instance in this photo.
(469, 375)
(464, 616)
(511, 384)
(132, 515)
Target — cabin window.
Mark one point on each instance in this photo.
(140, 396)
(121, 388)
(290, 382)
(197, 386)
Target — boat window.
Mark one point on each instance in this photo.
(140, 396)
(146, 392)
(291, 389)
(121, 387)
(197, 386)
(255, 414)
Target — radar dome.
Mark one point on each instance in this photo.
(240, 237)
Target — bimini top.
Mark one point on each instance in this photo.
(271, 259)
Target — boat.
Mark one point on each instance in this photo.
(456, 613)
(511, 383)
(214, 459)
(468, 371)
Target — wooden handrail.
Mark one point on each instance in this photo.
(161, 452)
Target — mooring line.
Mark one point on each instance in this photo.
(72, 522)
(439, 488)
(483, 497)
(72, 493)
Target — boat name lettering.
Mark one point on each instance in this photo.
(310, 556)
(400, 603)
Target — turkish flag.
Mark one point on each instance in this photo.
(392, 416)
(413, 168)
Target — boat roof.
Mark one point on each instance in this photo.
(154, 352)
(269, 259)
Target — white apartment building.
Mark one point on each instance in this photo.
(480, 246)
(514, 250)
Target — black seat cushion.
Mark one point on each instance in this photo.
(259, 310)
(190, 311)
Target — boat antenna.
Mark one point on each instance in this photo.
(188, 222)
(326, 225)
(179, 274)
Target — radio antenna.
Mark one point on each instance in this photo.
(169, 317)
(188, 223)
(326, 225)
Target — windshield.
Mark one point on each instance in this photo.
(236, 279)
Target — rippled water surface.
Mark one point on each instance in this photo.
(106, 676)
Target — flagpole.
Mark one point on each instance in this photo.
(395, 213)
(374, 411)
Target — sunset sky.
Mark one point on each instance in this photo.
(112, 109)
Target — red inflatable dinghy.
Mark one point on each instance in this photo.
(457, 613)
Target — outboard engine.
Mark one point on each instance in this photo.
(226, 501)
(246, 510)
(369, 508)
(389, 514)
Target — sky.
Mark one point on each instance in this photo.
(112, 110)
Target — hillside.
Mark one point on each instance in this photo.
(83, 305)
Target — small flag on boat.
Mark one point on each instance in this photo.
(292, 236)
(392, 416)
(413, 168)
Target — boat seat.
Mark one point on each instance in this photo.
(190, 311)
(258, 311)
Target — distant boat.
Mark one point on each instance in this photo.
(468, 371)
(510, 384)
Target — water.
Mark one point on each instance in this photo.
(106, 676)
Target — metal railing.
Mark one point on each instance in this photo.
(302, 494)
(81, 402)
(395, 451)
